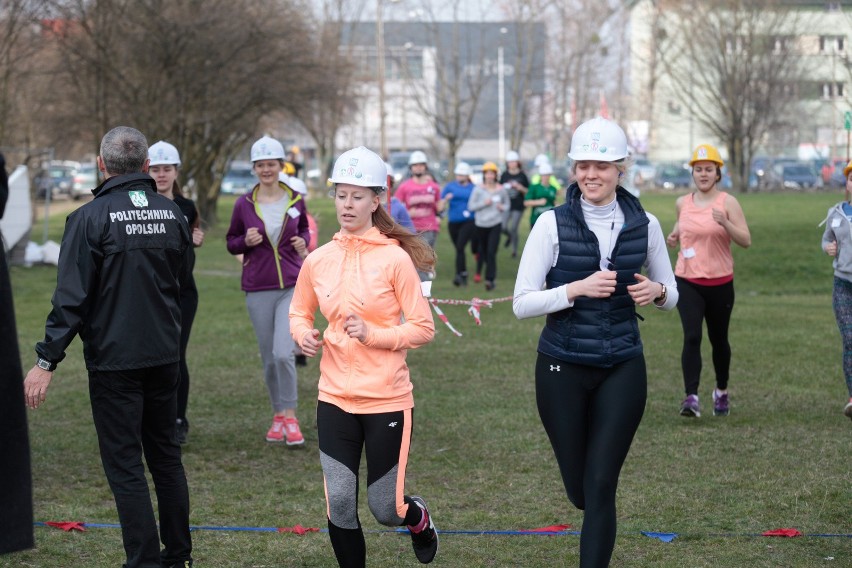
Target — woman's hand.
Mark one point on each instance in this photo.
(831, 248)
(355, 327)
(253, 237)
(311, 343)
(673, 238)
(645, 291)
(720, 216)
(599, 284)
(197, 237)
(300, 246)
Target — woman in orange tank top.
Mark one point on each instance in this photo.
(707, 221)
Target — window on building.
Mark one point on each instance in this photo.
(832, 44)
(782, 44)
(832, 90)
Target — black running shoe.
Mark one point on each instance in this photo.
(425, 542)
(182, 430)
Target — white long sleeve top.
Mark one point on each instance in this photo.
(531, 298)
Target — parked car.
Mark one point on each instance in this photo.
(57, 177)
(798, 175)
(836, 177)
(84, 181)
(673, 176)
(239, 179)
(643, 172)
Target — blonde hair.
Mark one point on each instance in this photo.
(422, 255)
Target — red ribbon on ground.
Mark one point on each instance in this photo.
(67, 526)
(551, 528)
(782, 532)
(298, 529)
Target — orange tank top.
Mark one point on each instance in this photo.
(705, 246)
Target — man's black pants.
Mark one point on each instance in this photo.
(134, 412)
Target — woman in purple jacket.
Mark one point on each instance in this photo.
(272, 213)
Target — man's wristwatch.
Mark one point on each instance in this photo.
(661, 299)
(42, 363)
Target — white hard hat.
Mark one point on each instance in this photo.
(267, 148)
(541, 159)
(600, 140)
(295, 183)
(417, 157)
(463, 169)
(162, 154)
(512, 156)
(545, 169)
(360, 166)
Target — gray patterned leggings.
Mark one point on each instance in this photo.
(842, 303)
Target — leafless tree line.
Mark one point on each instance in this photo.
(210, 75)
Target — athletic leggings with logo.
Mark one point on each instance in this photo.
(696, 305)
(342, 438)
(590, 415)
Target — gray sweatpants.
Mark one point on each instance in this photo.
(269, 311)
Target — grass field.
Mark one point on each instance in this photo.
(782, 459)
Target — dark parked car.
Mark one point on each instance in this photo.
(239, 179)
(672, 176)
(800, 175)
(57, 177)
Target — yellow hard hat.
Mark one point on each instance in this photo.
(294, 149)
(289, 169)
(847, 169)
(706, 153)
(490, 166)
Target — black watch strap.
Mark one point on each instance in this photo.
(43, 363)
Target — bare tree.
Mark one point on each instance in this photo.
(205, 75)
(734, 65)
(326, 95)
(461, 72)
(528, 66)
(577, 50)
(19, 50)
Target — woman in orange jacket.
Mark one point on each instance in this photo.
(365, 284)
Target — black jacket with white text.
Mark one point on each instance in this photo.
(123, 259)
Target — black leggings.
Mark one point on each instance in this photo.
(488, 241)
(714, 305)
(461, 234)
(590, 415)
(188, 307)
(342, 438)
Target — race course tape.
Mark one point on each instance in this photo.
(473, 309)
(554, 530)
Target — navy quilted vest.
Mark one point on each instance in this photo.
(596, 332)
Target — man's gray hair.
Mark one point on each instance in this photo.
(124, 150)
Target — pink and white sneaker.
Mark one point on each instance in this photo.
(294, 434)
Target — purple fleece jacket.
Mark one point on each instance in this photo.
(261, 270)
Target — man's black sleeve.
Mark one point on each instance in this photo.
(76, 282)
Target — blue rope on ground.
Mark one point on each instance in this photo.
(462, 532)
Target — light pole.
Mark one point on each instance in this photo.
(380, 48)
(501, 99)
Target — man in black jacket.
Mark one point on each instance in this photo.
(123, 259)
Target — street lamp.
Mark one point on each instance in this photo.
(501, 98)
(380, 48)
